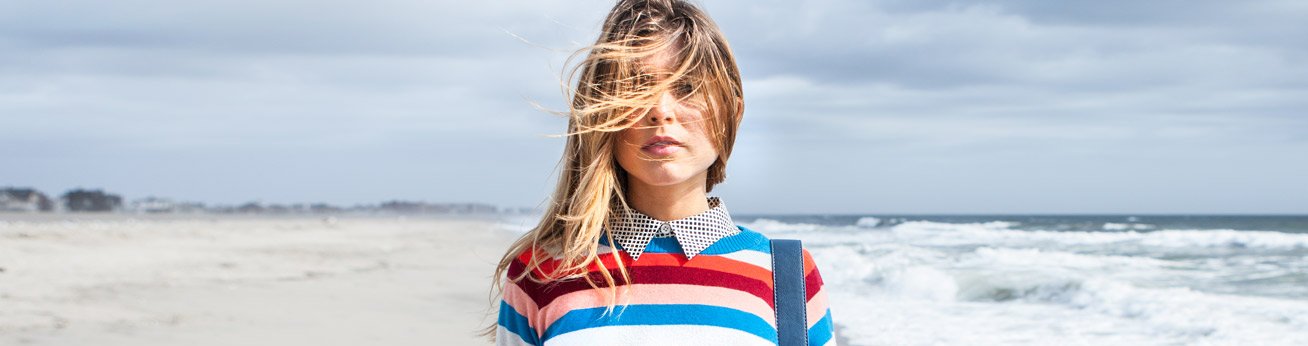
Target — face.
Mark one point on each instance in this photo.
(669, 144)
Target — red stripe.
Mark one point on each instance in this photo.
(812, 279)
(812, 282)
(545, 293)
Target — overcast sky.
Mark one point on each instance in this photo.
(852, 106)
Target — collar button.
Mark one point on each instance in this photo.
(665, 229)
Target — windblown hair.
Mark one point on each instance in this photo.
(612, 93)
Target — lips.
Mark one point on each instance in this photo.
(661, 146)
(660, 140)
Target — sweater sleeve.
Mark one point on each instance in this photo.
(517, 311)
(821, 330)
(512, 328)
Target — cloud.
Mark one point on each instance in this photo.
(927, 106)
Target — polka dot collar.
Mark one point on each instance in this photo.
(634, 230)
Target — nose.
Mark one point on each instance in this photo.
(665, 110)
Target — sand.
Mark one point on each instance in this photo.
(241, 280)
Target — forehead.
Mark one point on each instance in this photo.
(663, 61)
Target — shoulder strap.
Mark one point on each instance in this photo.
(788, 294)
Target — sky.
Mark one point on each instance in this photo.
(852, 106)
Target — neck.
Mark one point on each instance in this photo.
(668, 202)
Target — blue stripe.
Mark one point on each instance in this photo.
(663, 314)
(822, 331)
(747, 239)
(517, 323)
(664, 245)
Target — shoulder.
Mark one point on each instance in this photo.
(539, 260)
(547, 263)
(764, 243)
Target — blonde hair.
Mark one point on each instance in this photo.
(613, 93)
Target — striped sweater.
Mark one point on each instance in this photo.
(721, 297)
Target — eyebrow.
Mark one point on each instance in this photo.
(645, 69)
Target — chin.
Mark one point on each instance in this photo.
(666, 180)
(661, 177)
(666, 173)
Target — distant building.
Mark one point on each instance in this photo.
(159, 205)
(189, 207)
(153, 205)
(24, 200)
(324, 208)
(91, 200)
(251, 207)
(437, 208)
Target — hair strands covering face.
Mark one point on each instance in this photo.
(612, 92)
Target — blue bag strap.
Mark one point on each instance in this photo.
(788, 293)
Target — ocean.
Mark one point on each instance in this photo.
(1058, 279)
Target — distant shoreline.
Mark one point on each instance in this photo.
(47, 217)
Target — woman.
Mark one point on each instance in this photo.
(632, 250)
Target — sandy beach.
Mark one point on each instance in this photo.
(112, 279)
(245, 280)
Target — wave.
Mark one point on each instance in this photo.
(1178, 311)
(1111, 226)
(1001, 232)
(1001, 274)
(984, 274)
(770, 225)
(868, 221)
(1025, 286)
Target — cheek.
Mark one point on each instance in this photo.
(623, 147)
(705, 151)
(627, 149)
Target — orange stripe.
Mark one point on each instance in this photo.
(808, 263)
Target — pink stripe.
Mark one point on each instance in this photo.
(522, 303)
(660, 294)
(816, 307)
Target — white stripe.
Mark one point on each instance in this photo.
(658, 335)
(757, 258)
(505, 337)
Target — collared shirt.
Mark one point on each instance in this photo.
(634, 230)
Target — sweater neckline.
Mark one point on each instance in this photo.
(745, 239)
